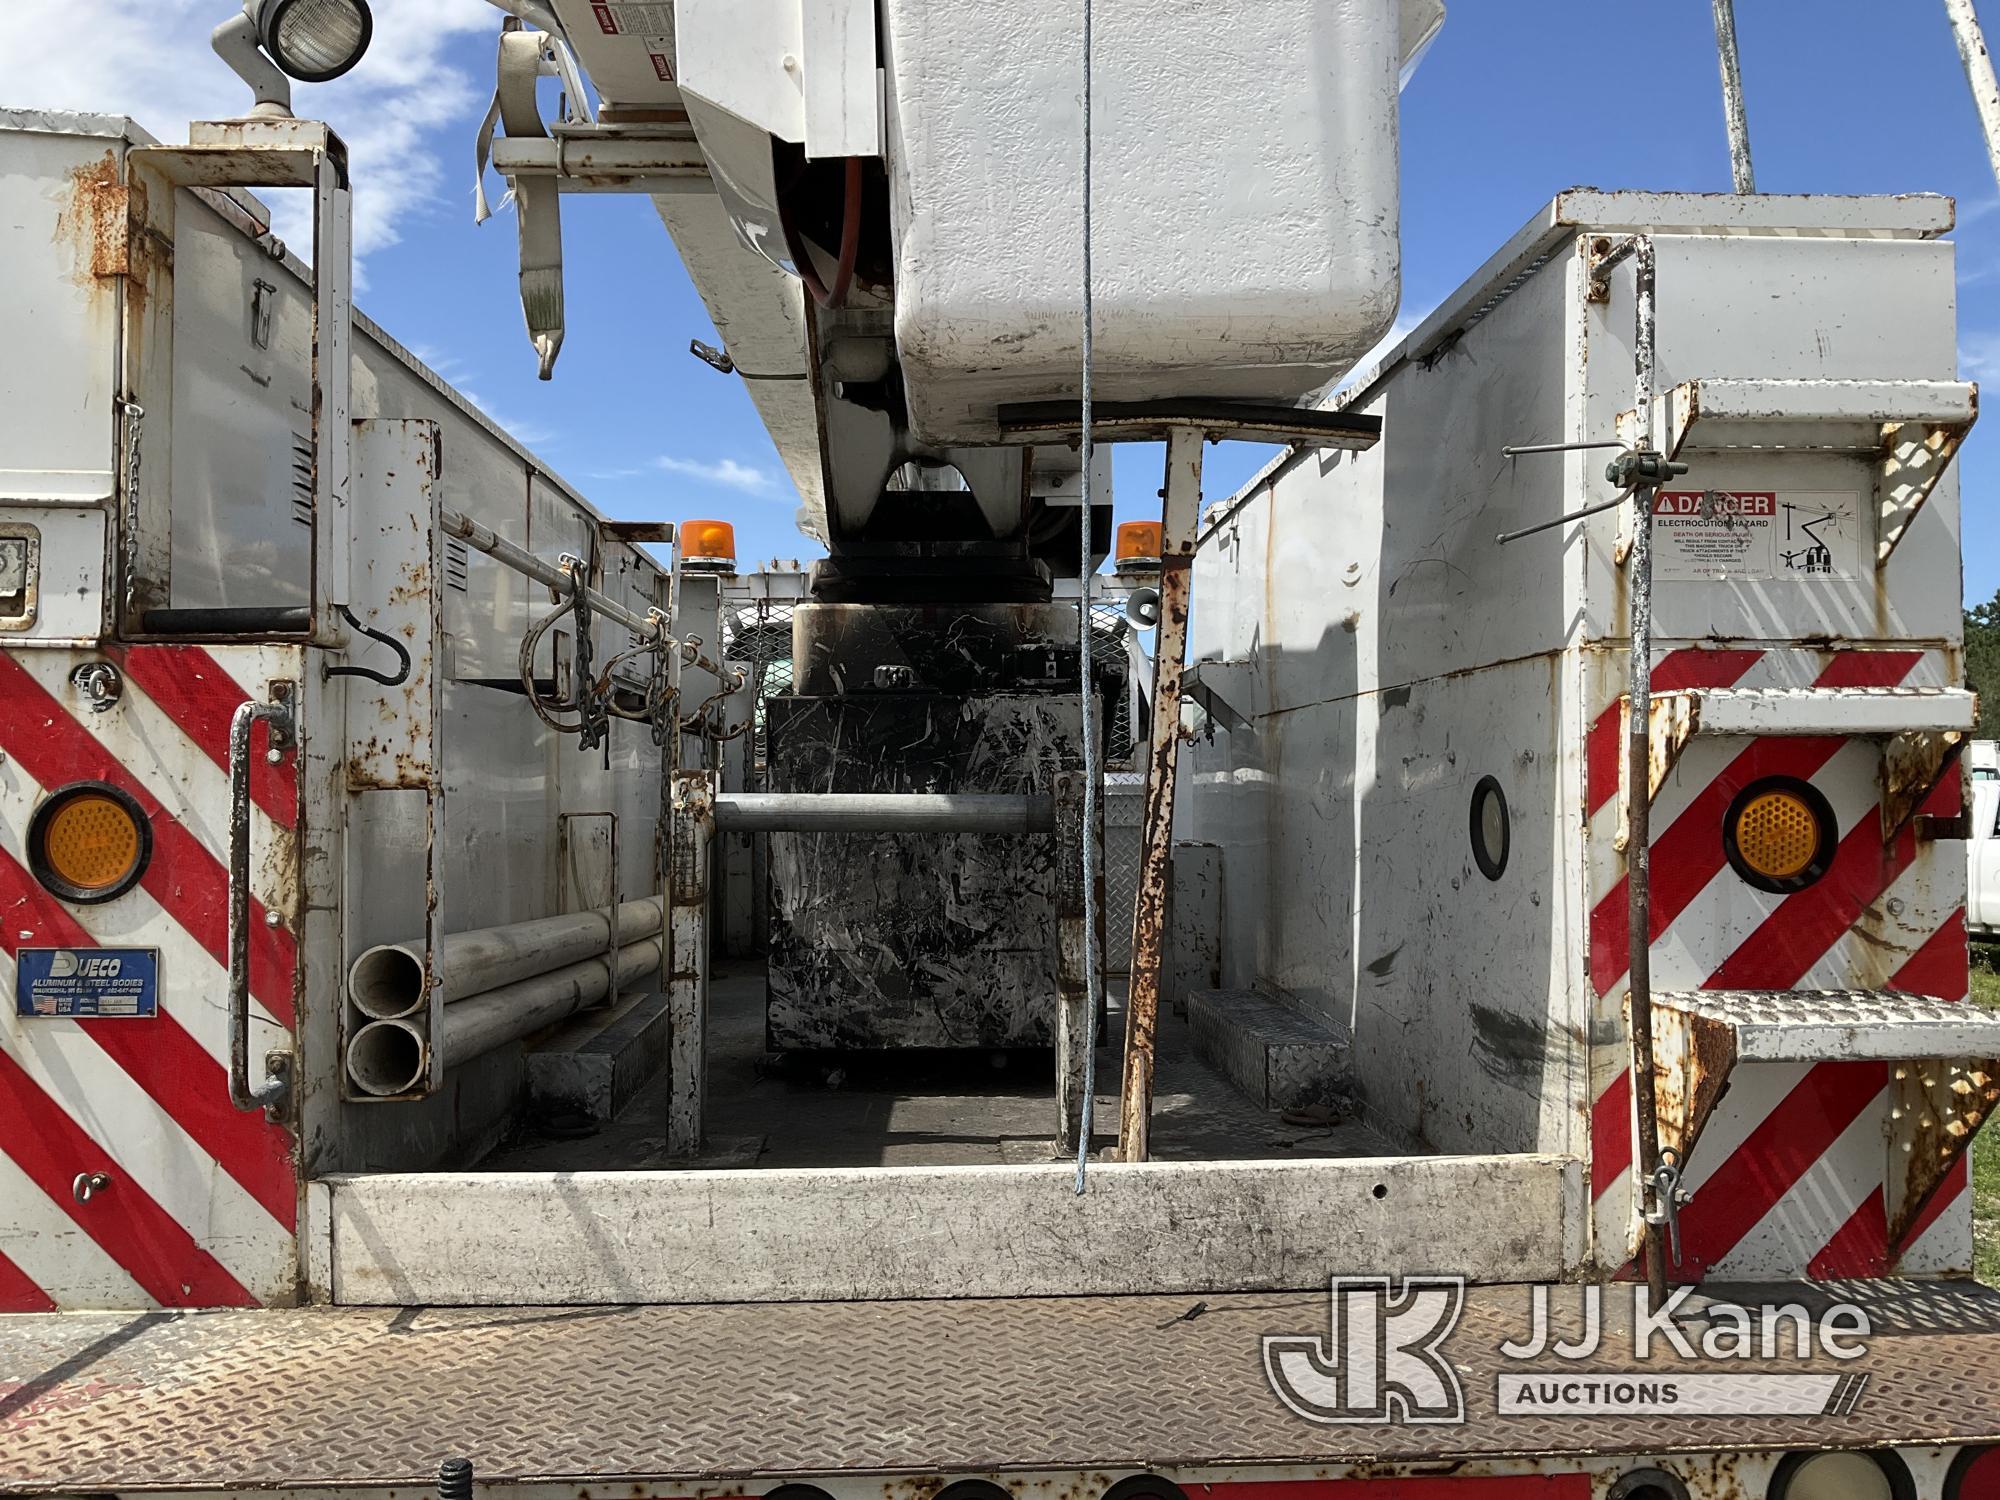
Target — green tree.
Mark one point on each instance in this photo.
(1982, 663)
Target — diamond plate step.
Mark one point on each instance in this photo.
(1831, 711)
(1815, 1025)
(1279, 1057)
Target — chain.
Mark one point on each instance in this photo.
(128, 544)
(593, 722)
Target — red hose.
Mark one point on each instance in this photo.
(850, 246)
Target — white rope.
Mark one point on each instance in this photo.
(1092, 961)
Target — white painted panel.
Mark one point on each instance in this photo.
(57, 422)
(242, 438)
(919, 1232)
(70, 572)
(842, 103)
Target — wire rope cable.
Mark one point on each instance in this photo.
(1093, 967)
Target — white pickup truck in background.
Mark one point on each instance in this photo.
(1982, 849)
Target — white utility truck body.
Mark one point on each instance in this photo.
(1982, 847)
(303, 958)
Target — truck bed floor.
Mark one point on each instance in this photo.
(923, 1109)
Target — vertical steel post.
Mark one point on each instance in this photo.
(1978, 73)
(732, 858)
(1638, 798)
(693, 827)
(1180, 515)
(1073, 1031)
(333, 272)
(1740, 173)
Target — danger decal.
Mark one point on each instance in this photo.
(1756, 534)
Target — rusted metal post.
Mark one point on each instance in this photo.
(693, 826)
(1638, 798)
(1180, 516)
(1741, 175)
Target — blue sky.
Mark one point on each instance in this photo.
(1513, 103)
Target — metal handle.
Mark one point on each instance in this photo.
(278, 714)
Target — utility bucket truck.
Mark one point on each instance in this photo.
(1441, 975)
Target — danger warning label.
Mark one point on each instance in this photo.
(634, 17)
(1749, 534)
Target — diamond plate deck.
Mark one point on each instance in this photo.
(1810, 1025)
(750, 1393)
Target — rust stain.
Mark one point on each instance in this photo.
(95, 219)
(1913, 763)
(1692, 1060)
(279, 873)
(1937, 1106)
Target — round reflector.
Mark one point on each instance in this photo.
(315, 40)
(89, 842)
(707, 544)
(1779, 834)
(1842, 1476)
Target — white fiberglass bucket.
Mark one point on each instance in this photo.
(1245, 217)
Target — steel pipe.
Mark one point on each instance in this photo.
(497, 547)
(1978, 62)
(883, 812)
(513, 1010)
(1741, 175)
(387, 981)
(386, 1058)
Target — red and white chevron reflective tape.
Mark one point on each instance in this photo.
(202, 1202)
(1787, 1178)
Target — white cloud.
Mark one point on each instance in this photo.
(456, 373)
(726, 472)
(151, 59)
(1979, 356)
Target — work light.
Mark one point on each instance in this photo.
(314, 40)
(1842, 1476)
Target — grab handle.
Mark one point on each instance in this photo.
(278, 714)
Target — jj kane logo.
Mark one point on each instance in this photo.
(1384, 1360)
